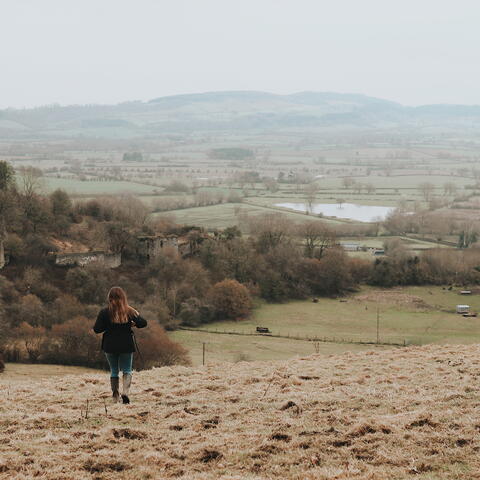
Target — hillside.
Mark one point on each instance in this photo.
(406, 413)
(231, 112)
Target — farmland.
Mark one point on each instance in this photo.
(411, 315)
(282, 168)
(89, 188)
(220, 177)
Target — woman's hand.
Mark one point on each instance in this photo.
(135, 312)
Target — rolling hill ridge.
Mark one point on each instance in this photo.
(233, 111)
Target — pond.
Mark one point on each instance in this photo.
(353, 211)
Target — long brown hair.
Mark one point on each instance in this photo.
(118, 306)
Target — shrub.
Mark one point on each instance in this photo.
(64, 308)
(73, 343)
(14, 246)
(360, 269)
(32, 282)
(157, 350)
(31, 340)
(36, 250)
(230, 299)
(29, 309)
(195, 312)
(156, 310)
(8, 292)
(177, 187)
(90, 284)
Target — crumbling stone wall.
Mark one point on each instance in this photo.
(110, 260)
(150, 247)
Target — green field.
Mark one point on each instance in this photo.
(414, 315)
(114, 187)
(397, 181)
(386, 200)
(224, 215)
(235, 348)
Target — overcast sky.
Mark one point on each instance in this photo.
(109, 51)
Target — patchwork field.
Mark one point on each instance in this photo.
(396, 414)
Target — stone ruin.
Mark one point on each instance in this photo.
(148, 248)
(110, 260)
(151, 246)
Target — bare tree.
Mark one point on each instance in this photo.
(317, 238)
(7, 186)
(3, 236)
(271, 184)
(426, 189)
(271, 230)
(31, 181)
(449, 188)
(311, 191)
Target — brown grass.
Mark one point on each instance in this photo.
(410, 413)
(394, 297)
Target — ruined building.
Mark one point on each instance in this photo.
(151, 246)
(148, 247)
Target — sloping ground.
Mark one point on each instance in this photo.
(394, 297)
(406, 413)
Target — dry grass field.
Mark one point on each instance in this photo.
(394, 414)
(16, 372)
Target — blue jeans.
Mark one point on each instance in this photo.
(119, 361)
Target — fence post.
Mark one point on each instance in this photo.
(203, 353)
(378, 325)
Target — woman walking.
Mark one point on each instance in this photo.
(118, 342)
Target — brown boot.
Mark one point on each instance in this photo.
(127, 381)
(115, 383)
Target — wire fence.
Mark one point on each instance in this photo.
(306, 338)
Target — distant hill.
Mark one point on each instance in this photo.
(391, 414)
(233, 111)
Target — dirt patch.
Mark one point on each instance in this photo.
(365, 429)
(176, 428)
(64, 246)
(423, 421)
(340, 443)
(395, 297)
(128, 434)
(288, 405)
(209, 455)
(99, 467)
(210, 423)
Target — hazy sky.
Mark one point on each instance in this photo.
(108, 51)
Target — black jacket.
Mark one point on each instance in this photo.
(117, 337)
